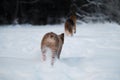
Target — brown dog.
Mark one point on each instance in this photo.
(70, 25)
(54, 42)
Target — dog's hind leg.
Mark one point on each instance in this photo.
(43, 54)
(53, 57)
(52, 62)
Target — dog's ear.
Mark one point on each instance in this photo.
(62, 37)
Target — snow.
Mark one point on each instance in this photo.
(93, 53)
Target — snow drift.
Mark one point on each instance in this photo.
(91, 54)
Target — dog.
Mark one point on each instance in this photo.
(70, 25)
(54, 42)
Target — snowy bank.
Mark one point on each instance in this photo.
(93, 53)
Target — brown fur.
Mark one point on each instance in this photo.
(70, 25)
(54, 42)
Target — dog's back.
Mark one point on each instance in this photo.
(70, 21)
(54, 42)
(50, 40)
(73, 18)
(69, 26)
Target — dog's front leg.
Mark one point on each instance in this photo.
(59, 52)
(74, 29)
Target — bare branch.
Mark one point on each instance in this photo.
(91, 3)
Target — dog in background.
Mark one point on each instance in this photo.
(70, 25)
(54, 42)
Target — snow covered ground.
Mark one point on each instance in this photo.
(93, 53)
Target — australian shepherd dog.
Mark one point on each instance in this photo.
(54, 43)
(70, 25)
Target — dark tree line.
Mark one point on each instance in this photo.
(33, 11)
(52, 11)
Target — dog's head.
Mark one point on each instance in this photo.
(62, 37)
